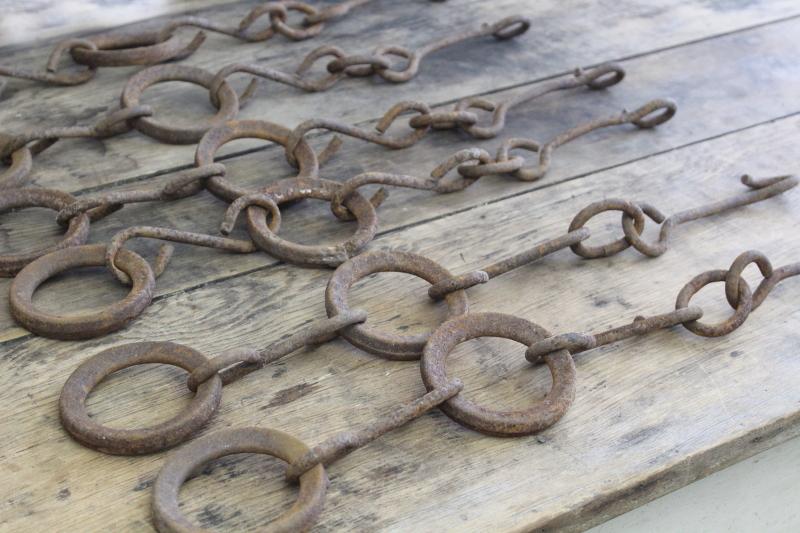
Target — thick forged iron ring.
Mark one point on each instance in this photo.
(541, 415)
(77, 232)
(188, 460)
(84, 325)
(742, 310)
(125, 49)
(16, 175)
(215, 138)
(167, 133)
(385, 344)
(291, 189)
(76, 420)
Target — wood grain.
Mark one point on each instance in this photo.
(651, 414)
(704, 113)
(605, 31)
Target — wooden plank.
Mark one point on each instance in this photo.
(42, 20)
(650, 415)
(560, 41)
(705, 104)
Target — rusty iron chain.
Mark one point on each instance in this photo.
(378, 63)
(80, 326)
(425, 120)
(18, 149)
(207, 376)
(474, 163)
(120, 48)
(306, 465)
(738, 293)
(211, 175)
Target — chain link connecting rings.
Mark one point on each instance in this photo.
(306, 465)
(76, 326)
(378, 63)
(117, 49)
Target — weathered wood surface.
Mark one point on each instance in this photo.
(38, 20)
(560, 41)
(651, 414)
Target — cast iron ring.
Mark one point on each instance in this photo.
(76, 419)
(216, 137)
(184, 462)
(84, 325)
(385, 344)
(76, 234)
(291, 189)
(125, 49)
(742, 309)
(541, 415)
(139, 82)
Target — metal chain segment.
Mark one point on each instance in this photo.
(306, 465)
(206, 379)
(173, 235)
(113, 123)
(633, 220)
(658, 111)
(360, 65)
(425, 120)
(445, 285)
(461, 116)
(207, 173)
(481, 163)
(114, 49)
(235, 364)
(744, 302)
(761, 190)
(633, 216)
(345, 442)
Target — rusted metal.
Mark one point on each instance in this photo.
(439, 290)
(82, 325)
(743, 302)
(379, 63)
(113, 123)
(168, 234)
(425, 120)
(234, 364)
(633, 216)
(214, 139)
(117, 49)
(346, 442)
(579, 342)
(307, 465)
(121, 49)
(227, 107)
(403, 347)
(102, 204)
(264, 218)
(188, 460)
(472, 163)
(542, 414)
(206, 379)
(50, 73)
(650, 115)
(289, 190)
(463, 117)
(76, 420)
(20, 163)
(16, 198)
